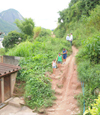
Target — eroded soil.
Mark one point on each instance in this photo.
(66, 86)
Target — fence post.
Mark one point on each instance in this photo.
(82, 85)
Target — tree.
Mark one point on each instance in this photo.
(11, 39)
(45, 32)
(26, 26)
(36, 30)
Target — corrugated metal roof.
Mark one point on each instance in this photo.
(7, 69)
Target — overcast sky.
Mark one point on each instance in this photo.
(43, 12)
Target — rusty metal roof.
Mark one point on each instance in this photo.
(7, 69)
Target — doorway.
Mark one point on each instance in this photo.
(7, 88)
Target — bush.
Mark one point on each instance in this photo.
(88, 68)
(45, 32)
(92, 47)
(37, 31)
(40, 91)
(94, 18)
(24, 49)
(2, 51)
(89, 74)
(94, 109)
(11, 39)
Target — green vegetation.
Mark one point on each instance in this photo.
(82, 18)
(36, 61)
(11, 39)
(45, 32)
(95, 108)
(6, 27)
(2, 51)
(88, 59)
(26, 26)
(37, 55)
(37, 31)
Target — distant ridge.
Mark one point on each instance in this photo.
(7, 19)
(10, 15)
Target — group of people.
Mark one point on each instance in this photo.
(59, 60)
(69, 38)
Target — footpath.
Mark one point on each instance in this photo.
(66, 86)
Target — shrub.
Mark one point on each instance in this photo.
(92, 48)
(24, 49)
(11, 39)
(37, 31)
(94, 109)
(45, 32)
(40, 91)
(2, 51)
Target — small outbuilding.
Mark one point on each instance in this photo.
(8, 75)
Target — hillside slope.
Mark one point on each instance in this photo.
(7, 27)
(7, 19)
(10, 15)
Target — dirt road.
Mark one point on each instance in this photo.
(66, 86)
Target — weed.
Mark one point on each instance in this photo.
(60, 86)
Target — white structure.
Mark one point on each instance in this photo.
(1, 39)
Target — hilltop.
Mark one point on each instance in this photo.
(7, 19)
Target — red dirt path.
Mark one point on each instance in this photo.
(66, 104)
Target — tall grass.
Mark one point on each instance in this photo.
(24, 49)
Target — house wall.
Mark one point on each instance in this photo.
(7, 87)
(2, 87)
(13, 81)
(11, 59)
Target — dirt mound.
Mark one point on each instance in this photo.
(66, 86)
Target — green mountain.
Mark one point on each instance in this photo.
(7, 27)
(10, 15)
(7, 19)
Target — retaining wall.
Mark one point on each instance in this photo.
(10, 59)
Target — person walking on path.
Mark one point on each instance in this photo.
(54, 66)
(71, 38)
(67, 37)
(59, 60)
(64, 52)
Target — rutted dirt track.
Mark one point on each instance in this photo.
(66, 86)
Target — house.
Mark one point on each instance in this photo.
(8, 75)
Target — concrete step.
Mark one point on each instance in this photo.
(17, 102)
